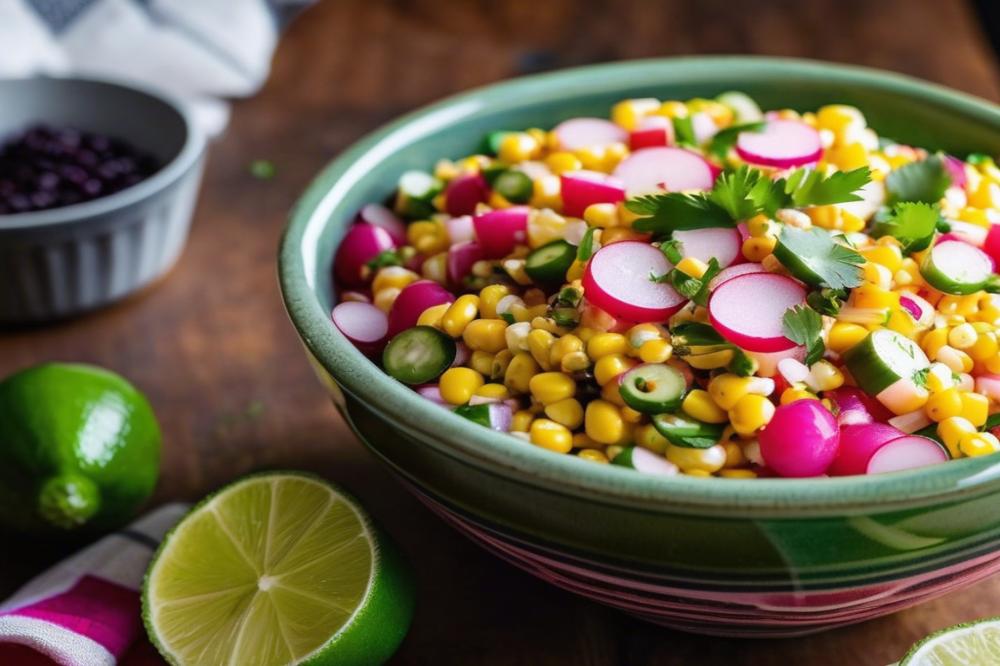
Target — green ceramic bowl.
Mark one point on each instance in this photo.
(736, 557)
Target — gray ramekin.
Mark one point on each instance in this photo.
(65, 261)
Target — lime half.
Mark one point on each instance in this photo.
(278, 568)
(961, 645)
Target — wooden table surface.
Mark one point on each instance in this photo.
(214, 351)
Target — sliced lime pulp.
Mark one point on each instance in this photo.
(961, 645)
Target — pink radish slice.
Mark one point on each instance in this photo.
(464, 192)
(973, 234)
(363, 324)
(461, 257)
(433, 393)
(801, 440)
(362, 243)
(956, 169)
(858, 443)
(767, 363)
(381, 216)
(729, 273)
(704, 128)
(500, 230)
(748, 310)
(782, 143)
(460, 229)
(462, 354)
(719, 242)
(657, 169)
(617, 280)
(577, 133)
(922, 311)
(412, 301)
(653, 131)
(992, 243)
(852, 406)
(907, 452)
(584, 188)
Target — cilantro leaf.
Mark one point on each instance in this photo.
(827, 301)
(809, 187)
(692, 288)
(586, 247)
(745, 192)
(671, 250)
(385, 258)
(724, 140)
(742, 364)
(675, 211)
(912, 222)
(924, 181)
(803, 325)
(694, 334)
(684, 130)
(814, 257)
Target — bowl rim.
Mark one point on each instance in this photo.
(513, 458)
(191, 149)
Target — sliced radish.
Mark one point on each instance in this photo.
(911, 422)
(704, 128)
(922, 311)
(653, 132)
(856, 407)
(577, 133)
(461, 257)
(992, 243)
(729, 273)
(460, 229)
(748, 310)
(431, 392)
(956, 169)
(973, 234)
(500, 230)
(782, 143)
(617, 280)
(767, 363)
(858, 443)
(363, 324)
(907, 452)
(583, 188)
(412, 301)
(657, 169)
(362, 243)
(719, 242)
(464, 193)
(381, 216)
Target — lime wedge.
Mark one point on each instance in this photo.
(964, 644)
(278, 568)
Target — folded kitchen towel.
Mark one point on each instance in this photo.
(85, 611)
(200, 50)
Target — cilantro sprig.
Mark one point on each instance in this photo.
(692, 288)
(803, 325)
(924, 181)
(586, 246)
(813, 256)
(694, 338)
(913, 223)
(724, 140)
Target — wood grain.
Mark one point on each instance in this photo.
(213, 349)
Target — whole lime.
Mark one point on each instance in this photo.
(79, 449)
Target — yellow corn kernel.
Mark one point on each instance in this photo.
(488, 299)
(585, 333)
(648, 437)
(711, 360)
(631, 415)
(593, 455)
(551, 435)
(574, 362)
(607, 368)
(734, 454)
(987, 195)
(877, 274)
(564, 345)
(844, 335)
(673, 109)
(435, 268)
(605, 344)
(545, 226)
(493, 391)
(726, 389)
(581, 441)
(824, 376)
(460, 314)
(627, 113)
(568, 412)
(738, 474)
(698, 404)
(944, 405)
(539, 344)
(384, 299)
(975, 444)
(551, 387)
(521, 421)
(962, 336)
(562, 161)
(487, 335)
(520, 370)
(500, 362)
(457, 385)
(933, 340)
(792, 393)
(393, 276)
(955, 359)
(612, 451)
(985, 347)
(619, 234)
(692, 266)
(888, 256)
(603, 422)
(951, 431)
(826, 217)
(756, 248)
(610, 392)
(699, 473)
(839, 117)
(720, 114)
(655, 351)
(427, 236)
(690, 460)
(613, 154)
(975, 407)
(761, 225)
(874, 297)
(518, 147)
(481, 362)
(576, 270)
(751, 413)
(546, 192)
(848, 157)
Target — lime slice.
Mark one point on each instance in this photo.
(278, 568)
(972, 643)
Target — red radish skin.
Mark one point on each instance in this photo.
(461, 257)
(381, 216)
(362, 243)
(737, 270)
(956, 169)
(363, 324)
(992, 244)
(653, 132)
(801, 440)
(617, 280)
(460, 229)
(579, 133)
(499, 231)
(412, 301)
(464, 193)
(744, 231)
(907, 452)
(852, 406)
(717, 242)
(655, 169)
(858, 443)
(581, 189)
(748, 310)
(922, 311)
(783, 144)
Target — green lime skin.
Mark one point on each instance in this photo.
(80, 449)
